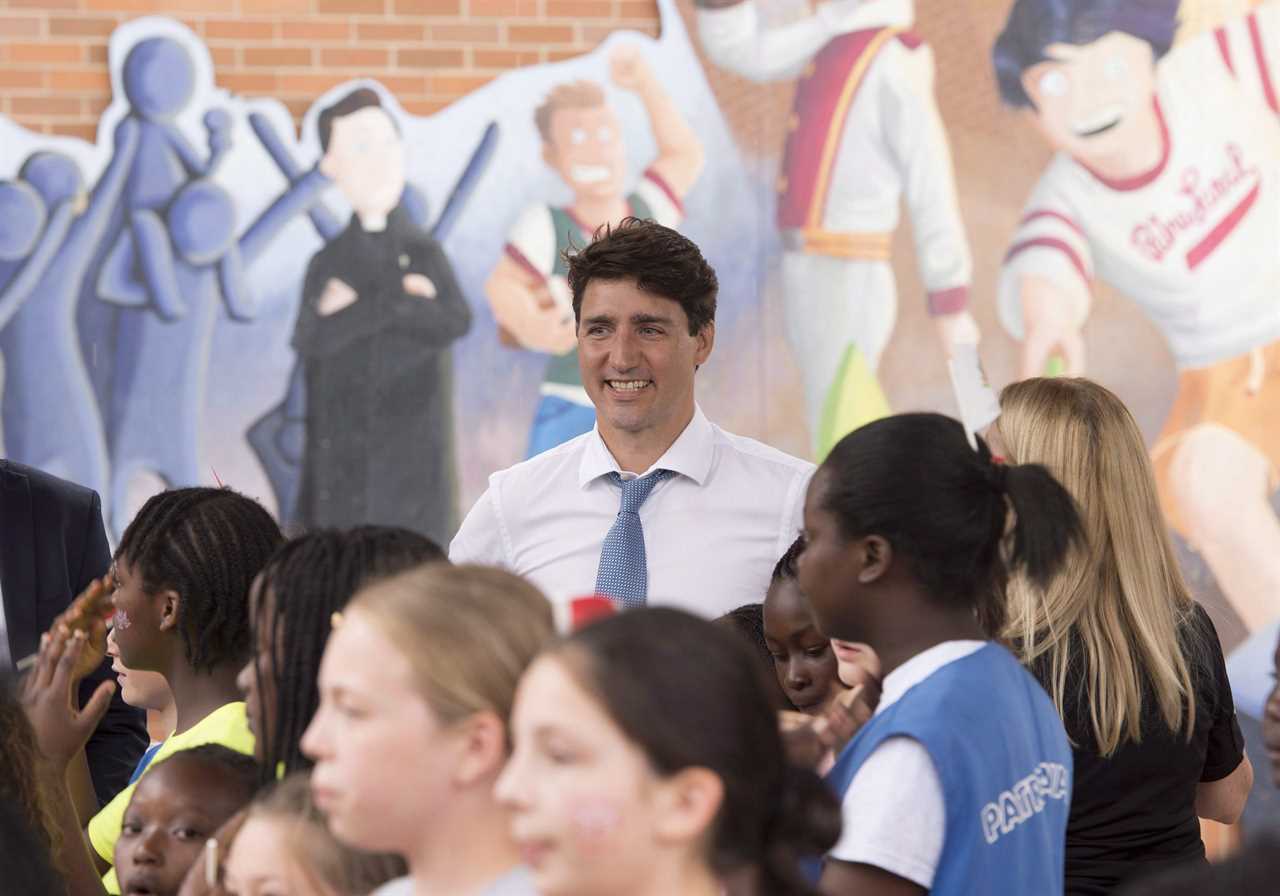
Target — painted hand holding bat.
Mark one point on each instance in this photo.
(89, 613)
(815, 741)
(49, 695)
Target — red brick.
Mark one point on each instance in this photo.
(243, 82)
(277, 57)
(239, 29)
(298, 107)
(561, 55)
(404, 85)
(428, 7)
(365, 7)
(404, 32)
(43, 4)
(423, 107)
(456, 85)
(310, 30)
(86, 132)
(17, 79)
(470, 33)
(504, 59)
(97, 54)
(578, 9)
(309, 85)
(638, 9)
(225, 57)
(502, 9)
(46, 53)
(87, 79)
(81, 26)
(354, 57)
(19, 26)
(94, 106)
(539, 35)
(431, 58)
(275, 7)
(46, 106)
(595, 34)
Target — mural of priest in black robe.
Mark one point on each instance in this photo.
(380, 308)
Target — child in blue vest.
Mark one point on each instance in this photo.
(961, 781)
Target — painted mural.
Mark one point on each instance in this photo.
(361, 319)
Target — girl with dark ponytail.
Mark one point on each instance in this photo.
(648, 761)
(961, 781)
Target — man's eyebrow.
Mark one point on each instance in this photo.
(599, 319)
(650, 319)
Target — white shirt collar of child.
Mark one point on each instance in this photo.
(690, 454)
(920, 667)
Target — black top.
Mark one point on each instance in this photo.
(1133, 812)
(379, 381)
(52, 545)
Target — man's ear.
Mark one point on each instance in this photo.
(482, 743)
(687, 804)
(549, 154)
(706, 341)
(169, 602)
(875, 556)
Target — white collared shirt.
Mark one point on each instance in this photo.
(713, 532)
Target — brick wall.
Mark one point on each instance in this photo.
(53, 53)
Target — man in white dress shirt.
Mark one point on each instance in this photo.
(715, 510)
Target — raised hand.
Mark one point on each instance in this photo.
(62, 728)
(88, 614)
(628, 68)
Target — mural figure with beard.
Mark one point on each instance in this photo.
(864, 135)
(582, 140)
(380, 309)
(1166, 185)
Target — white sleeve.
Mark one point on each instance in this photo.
(532, 241)
(916, 136)
(894, 813)
(1049, 243)
(735, 40)
(661, 199)
(481, 537)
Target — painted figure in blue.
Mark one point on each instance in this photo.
(51, 418)
(189, 265)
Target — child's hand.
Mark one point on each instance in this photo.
(815, 741)
(88, 614)
(49, 700)
(197, 879)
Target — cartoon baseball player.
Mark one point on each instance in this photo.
(864, 134)
(582, 139)
(1166, 185)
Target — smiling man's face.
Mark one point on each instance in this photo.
(587, 150)
(1089, 98)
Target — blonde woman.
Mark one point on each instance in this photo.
(1132, 663)
(416, 687)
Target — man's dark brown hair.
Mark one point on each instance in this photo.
(660, 260)
(360, 98)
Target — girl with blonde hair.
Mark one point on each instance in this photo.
(416, 688)
(1132, 663)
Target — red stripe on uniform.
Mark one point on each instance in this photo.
(1224, 47)
(658, 181)
(1045, 213)
(1048, 242)
(1203, 249)
(1264, 73)
(519, 258)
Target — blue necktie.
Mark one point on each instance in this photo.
(624, 570)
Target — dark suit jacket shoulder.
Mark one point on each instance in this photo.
(52, 545)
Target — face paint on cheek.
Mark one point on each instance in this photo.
(121, 620)
(594, 822)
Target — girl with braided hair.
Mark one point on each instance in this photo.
(181, 597)
(293, 601)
